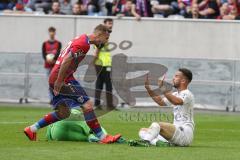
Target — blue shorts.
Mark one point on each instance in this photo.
(74, 96)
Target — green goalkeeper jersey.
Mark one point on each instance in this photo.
(72, 129)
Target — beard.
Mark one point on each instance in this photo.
(100, 46)
(175, 85)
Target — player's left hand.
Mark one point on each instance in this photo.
(57, 87)
(164, 86)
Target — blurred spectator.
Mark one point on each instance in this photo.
(118, 6)
(184, 7)
(50, 51)
(164, 8)
(109, 6)
(143, 8)
(56, 8)
(209, 9)
(19, 8)
(77, 9)
(102, 7)
(93, 7)
(224, 11)
(194, 12)
(237, 15)
(228, 12)
(230, 2)
(53, 47)
(97, 7)
(22, 6)
(84, 6)
(129, 10)
(40, 5)
(7, 4)
(66, 6)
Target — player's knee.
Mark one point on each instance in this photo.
(161, 124)
(156, 126)
(63, 112)
(143, 129)
(142, 133)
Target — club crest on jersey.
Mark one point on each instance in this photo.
(80, 99)
(78, 54)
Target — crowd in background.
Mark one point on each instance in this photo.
(204, 9)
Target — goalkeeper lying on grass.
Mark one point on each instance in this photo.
(73, 129)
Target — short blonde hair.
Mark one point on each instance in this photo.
(101, 29)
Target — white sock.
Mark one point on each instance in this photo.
(159, 138)
(154, 141)
(150, 133)
(146, 135)
(34, 127)
(103, 135)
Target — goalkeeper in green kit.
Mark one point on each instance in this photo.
(73, 129)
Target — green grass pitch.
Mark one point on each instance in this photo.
(217, 137)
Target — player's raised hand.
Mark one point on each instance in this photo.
(160, 81)
(164, 86)
(57, 87)
(147, 83)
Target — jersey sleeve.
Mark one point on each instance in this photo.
(186, 97)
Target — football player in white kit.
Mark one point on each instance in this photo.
(180, 133)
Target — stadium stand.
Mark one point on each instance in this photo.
(196, 9)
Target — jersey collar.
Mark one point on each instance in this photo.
(87, 40)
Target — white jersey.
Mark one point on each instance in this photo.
(183, 114)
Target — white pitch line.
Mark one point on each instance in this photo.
(13, 122)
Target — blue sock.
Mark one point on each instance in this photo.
(93, 123)
(45, 121)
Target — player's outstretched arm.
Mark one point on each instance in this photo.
(168, 93)
(152, 94)
(173, 99)
(62, 73)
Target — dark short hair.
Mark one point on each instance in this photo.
(51, 29)
(187, 73)
(107, 20)
(55, 1)
(78, 3)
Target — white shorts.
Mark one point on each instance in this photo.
(183, 135)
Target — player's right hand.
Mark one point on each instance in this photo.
(57, 87)
(51, 61)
